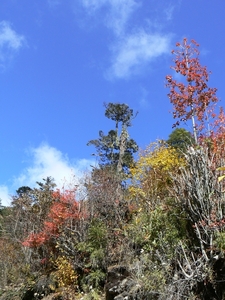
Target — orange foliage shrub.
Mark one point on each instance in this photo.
(63, 209)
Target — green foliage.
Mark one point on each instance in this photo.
(119, 113)
(94, 254)
(97, 235)
(23, 190)
(4, 213)
(93, 295)
(180, 139)
(153, 281)
(220, 240)
(116, 149)
(94, 279)
(159, 230)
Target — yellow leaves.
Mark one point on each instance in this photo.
(133, 190)
(52, 287)
(152, 173)
(65, 273)
(220, 178)
(157, 156)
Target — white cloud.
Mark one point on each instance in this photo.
(10, 41)
(47, 161)
(117, 12)
(5, 195)
(131, 51)
(137, 50)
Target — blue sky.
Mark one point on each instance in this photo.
(60, 60)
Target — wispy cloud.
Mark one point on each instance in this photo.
(133, 46)
(169, 12)
(137, 50)
(116, 12)
(10, 41)
(120, 13)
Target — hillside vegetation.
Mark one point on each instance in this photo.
(145, 228)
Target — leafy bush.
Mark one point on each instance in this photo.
(65, 274)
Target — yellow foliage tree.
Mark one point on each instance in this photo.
(151, 176)
(65, 274)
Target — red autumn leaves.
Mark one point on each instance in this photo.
(191, 97)
(64, 209)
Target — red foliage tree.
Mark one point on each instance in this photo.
(64, 209)
(192, 98)
(217, 139)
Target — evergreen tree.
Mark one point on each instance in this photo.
(116, 149)
(180, 139)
